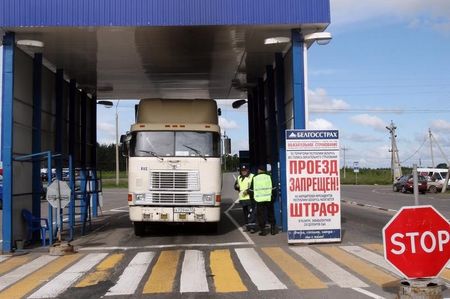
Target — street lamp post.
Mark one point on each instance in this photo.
(322, 38)
(117, 144)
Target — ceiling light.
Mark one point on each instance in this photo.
(30, 43)
(322, 38)
(276, 40)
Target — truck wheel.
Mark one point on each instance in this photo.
(395, 188)
(433, 189)
(139, 228)
(212, 227)
(404, 189)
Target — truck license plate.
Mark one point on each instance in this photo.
(183, 210)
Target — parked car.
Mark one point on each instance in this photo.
(405, 184)
(435, 186)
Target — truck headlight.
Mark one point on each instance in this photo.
(208, 198)
(140, 197)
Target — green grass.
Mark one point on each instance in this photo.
(367, 177)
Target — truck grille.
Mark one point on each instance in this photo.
(174, 180)
(173, 198)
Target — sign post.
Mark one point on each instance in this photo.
(356, 171)
(313, 186)
(417, 243)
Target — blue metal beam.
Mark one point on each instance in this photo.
(81, 13)
(59, 94)
(298, 79)
(251, 127)
(281, 125)
(72, 120)
(7, 138)
(94, 154)
(37, 124)
(83, 129)
(271, 117)
(261, 124)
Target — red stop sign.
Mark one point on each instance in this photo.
(417, 241)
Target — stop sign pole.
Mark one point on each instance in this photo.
(417, 242)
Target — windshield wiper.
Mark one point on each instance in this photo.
(196, 151)
(153, 154)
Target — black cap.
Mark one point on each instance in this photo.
(243, 167)
(262, 167)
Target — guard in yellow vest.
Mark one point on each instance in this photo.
(263, 193)
(242, 184)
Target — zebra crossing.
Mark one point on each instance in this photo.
(226, 270)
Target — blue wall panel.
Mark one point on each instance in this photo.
(14, 13)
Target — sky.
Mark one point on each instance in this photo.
(388, 61)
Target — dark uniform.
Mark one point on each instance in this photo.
(263, 194)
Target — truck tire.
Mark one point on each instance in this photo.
(139, 228)
(395, 188)
(212, 227)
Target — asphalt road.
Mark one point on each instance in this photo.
(365, 210)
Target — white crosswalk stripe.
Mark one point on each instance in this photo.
(193, 273)
(257, 270)
(337, 274)
(132, 275)
(19, 273)
(64, 280)
(3, 258)
(371, 257)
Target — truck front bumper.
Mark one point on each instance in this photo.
(174, 214)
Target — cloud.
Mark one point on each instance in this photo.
(226, 124)
(106, 132)
(320, 124)
(440, 125)
(357, 137)
(431, 13)
(318, 99)
(369, 121)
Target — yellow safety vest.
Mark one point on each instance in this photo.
(262, 188)
(244, 184)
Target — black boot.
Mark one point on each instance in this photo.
(273, 230)
(262, 232)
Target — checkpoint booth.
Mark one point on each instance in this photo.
(59, 58)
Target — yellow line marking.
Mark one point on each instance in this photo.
(378, 248)
(102, 271)
(226, 277)
(357, 265)
(32, 281)
(13, 263)
(296, 271)
(163, 273)
(445, 274)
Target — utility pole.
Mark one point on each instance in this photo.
(431, 147)
(396, 169)
(344, 149)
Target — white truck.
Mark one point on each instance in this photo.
(174, 166)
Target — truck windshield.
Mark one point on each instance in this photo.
(175, 144)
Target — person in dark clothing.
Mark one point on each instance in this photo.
(262, 193)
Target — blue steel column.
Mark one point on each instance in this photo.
(84, 98)
(36, 146)
(298, 80)
(281, 125)
(94, 155)
(59, 94)
(261, 124)
(251, 127)
(72, 151)
(7, 138)
(271, 117)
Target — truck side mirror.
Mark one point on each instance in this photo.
(124, 145)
